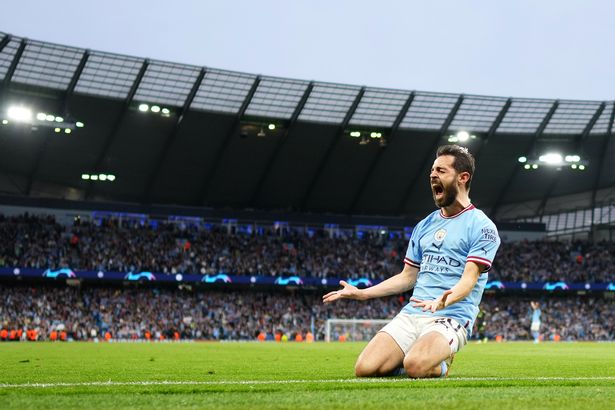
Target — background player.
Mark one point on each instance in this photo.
(535, 326)
(447, 255)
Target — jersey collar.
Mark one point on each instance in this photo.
(467, 208)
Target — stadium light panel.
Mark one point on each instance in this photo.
(463, 136)
(155, 108)
(19, 113)
(572, 158)
(143, 107)
(522, 159)
(85, 176)
(551, 158)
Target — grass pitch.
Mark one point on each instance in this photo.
(298, 375)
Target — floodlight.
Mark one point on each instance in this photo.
(57, 129)
(19, 113)
(85, 176)
(50, 117)
(453, 138)
(535, 166)
(582, 167)
(143, 107)
(94, 177)
(155, 108)
(271, 126)
(463, 136)
(79, 124)
(111, 177)
(573, 166)
(41, 116)
(102, 177)
(527, 166)
(551, 158)
(522, 159)
(5, 122)
(375, 135)
(355, 134)
(68, 130)
(59, 119)
(166, 111)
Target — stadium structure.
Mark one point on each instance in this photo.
(83, 128)
(148, 201)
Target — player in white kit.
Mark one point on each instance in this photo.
(448, 256)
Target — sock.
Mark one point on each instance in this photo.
(444, 368)
(400, 371)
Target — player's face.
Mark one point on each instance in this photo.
(443, 179)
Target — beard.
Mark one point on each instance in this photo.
(449, 194)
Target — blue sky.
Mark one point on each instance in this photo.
(546, 48)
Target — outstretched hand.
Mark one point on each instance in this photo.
(432, 305)
(347, 292)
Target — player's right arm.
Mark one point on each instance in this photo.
(394, 285)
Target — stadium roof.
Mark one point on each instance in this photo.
(197, 136)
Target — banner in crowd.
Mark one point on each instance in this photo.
(228, 280)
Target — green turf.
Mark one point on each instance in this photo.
(520, 375)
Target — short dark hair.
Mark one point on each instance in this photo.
(464, 161)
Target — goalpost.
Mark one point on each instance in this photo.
(352, 330)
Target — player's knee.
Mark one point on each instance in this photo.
(416, 367)
(363, 368)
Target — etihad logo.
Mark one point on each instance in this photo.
(441, 260)
(439, 235)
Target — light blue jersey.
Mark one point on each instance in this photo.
(536, 316)
(440, 246)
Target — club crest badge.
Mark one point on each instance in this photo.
(439, 235)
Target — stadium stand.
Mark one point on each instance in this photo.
(40, 242)
(129, 314)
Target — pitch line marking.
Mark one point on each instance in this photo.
(301, 381)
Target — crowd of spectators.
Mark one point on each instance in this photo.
(40, 242)
(34, 242)
(96, 313)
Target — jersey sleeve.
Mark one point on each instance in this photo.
(414, 254)
(485, 242)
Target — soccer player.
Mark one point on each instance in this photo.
(448, 256)
(535, 326)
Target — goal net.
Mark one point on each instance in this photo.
(352, 330)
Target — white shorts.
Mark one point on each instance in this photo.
(535, 327)
(405, 329)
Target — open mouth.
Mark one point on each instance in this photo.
(438, 190)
